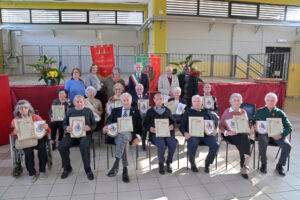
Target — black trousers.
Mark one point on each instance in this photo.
(242, 143)
(84, 145)
(42, 155)
(54, 126)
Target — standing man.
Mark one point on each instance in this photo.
(167, 82)
(138, 78)
(84, 142)
(188, 84)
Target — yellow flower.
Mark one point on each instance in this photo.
(53, 67)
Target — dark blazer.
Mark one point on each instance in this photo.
(144, 81)
(192, 85)
(181, 100)
(136, 120)
(135, 100)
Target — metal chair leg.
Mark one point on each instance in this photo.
(111, 150)
(288, 169)
(99, 135)
(94, 156)
(149, 154)
(107, 155)
(226, 154)
(178, 153)
(254, 156)
(216, 161)
(137, 156)
(277, 153)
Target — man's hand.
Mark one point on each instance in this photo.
(171, 127)
(135, 141)
(277, 137)
(187, 136)
(16, 131)
(87, 128)
(105, 129)
(231, 133)
(152, 130)
(68, 129)
(214, 133)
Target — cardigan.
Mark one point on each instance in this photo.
(91, 80)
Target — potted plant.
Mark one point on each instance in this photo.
(189, 63)
(50, 74)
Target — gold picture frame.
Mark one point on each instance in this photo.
(118, 103)
(261, 127)
(58, 112)
(275, 126)
(39, 131)
(24, 127)
(143, 105)
(125, 124)
(230, 124)
(162, 127)
(242, 124)
(77, 125)
(112, 130)
(196, 126)
(180, 109)
(208, 102)
(171, 106)
(209, 127)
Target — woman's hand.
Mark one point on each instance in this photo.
(105, 129)
(187, 136)
(16, 131)
(45, 126)
(87, 128)
(214, 133)
(277, 137)
(231, 133)
(135, 142)
(152, 130)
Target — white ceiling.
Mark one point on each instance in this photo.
(93, 1)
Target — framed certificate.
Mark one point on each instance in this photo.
(109, 107)
(143, 105)
(172, 106)
(112, 130)
(77, 125)
(274, 126)
(180, 108)
(230, 125)
(118, 103)
(209, 127)
(208, 102)
(58, 112)
(261, 127)
(241, 124)
(25, 128)
(38, 129)
(196, 126)
(162, 127)
(125, 124)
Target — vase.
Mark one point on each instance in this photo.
(51, 82)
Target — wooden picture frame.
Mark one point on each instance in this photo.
(230, 124)
(24, 127)
(242, 124)
(171, 106)
(112, 130)
(162, 128)
(275, 126)
(261, 127)
(143, 105)
(209, 127)
(39, 131)
(58, 112)
(180, 109)
(196, 126)
(125, 124)
(208, 102)
(77, 125)
(109, 107)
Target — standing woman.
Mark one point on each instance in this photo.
(92, 79)
(75, 86)
(24, 109)
(207, 92)
(111, 81)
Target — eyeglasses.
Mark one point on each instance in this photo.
(118, 89)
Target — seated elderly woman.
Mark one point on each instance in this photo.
(23, 109)
(177, 99)
(241, 140)
(262, 114)
(94, 104)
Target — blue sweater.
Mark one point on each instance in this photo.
(74, 88)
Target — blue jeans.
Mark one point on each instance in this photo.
(161, 144)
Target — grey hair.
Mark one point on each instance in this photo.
(116, 68)
(139, 85)
(177, 89)
(118, 84)
(90, 88)
(233, 95)
(169, 67)
(126, 94)
(17, 107)
(78, 96)
(196, 96)
(271, 94)
(138, 64)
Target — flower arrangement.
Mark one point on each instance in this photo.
(50, 74)
(189, 63)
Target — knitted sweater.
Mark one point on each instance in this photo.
(74, 88)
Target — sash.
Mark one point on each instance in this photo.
(135, 79)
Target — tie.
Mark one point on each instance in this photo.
(140, 96)
(125, 113)
(170, 80)
(139, 77)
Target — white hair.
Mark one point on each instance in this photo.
(17, 107)
(138, 64)
(177, 89)
(126, 94)
(169, 67)
(196, 96)
(139, 85)
(78, 96)
(272, 94)
(235, 95)
(90, 88)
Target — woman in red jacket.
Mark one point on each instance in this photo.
(24, 109)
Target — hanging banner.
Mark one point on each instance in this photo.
(103, 56)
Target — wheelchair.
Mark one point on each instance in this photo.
(17, 156)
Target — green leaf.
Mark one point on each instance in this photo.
(174, 63)
(195, 61)
(188, 58)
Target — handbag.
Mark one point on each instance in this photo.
(22, 144)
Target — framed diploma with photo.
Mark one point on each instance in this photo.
(172, 106)
(196, 126)
(38, 129)
(77, 125)
(162, 127)
(274, 126)
(58, 112)
(241, 124)
(261, 127)
(230, 124)
(118, 103)
(125, 124)
(209, 127)
(180, 108)
(25, 128)
(208, 102)
(109, 107)
(143, 105)
(112, 130)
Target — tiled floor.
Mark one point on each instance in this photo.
(149, 184)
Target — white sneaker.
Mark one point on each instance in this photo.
(33, 178)
(43, 175)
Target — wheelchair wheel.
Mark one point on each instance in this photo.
(17, 171)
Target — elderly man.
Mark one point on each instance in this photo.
(122, 139)
(271, 111)
(138, 78)
(193, 142)
(167, 82)
(84, 142)
(188, 84)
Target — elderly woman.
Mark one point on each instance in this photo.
(23, 109)
(110, 82)
(177, 99)
(241, 140)
(92, 79)
(271, 111)
(207, 92)
(90, 92)
(54, 125)
(118, 90)
(75, 86)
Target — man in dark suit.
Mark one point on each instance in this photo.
(123, 139)
(138, 78)
(188, 84)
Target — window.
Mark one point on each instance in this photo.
(182, 7)
(102, 17)
(74, 16)
(274, 12)
(213, 8)
(132, 18)
(293, 13)
(15, 16)
(45, 16)
(244, 10)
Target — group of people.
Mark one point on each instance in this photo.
(181, 90)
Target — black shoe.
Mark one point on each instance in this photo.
(206, 168)
(194, 168)
(66, 173)
(280, 170)
(245, 176)
(169, 168)
(144, 147)
(90, 175)
(125, 177)
(161, 169)
(263, 168)
(114, 170)
(53, 146)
